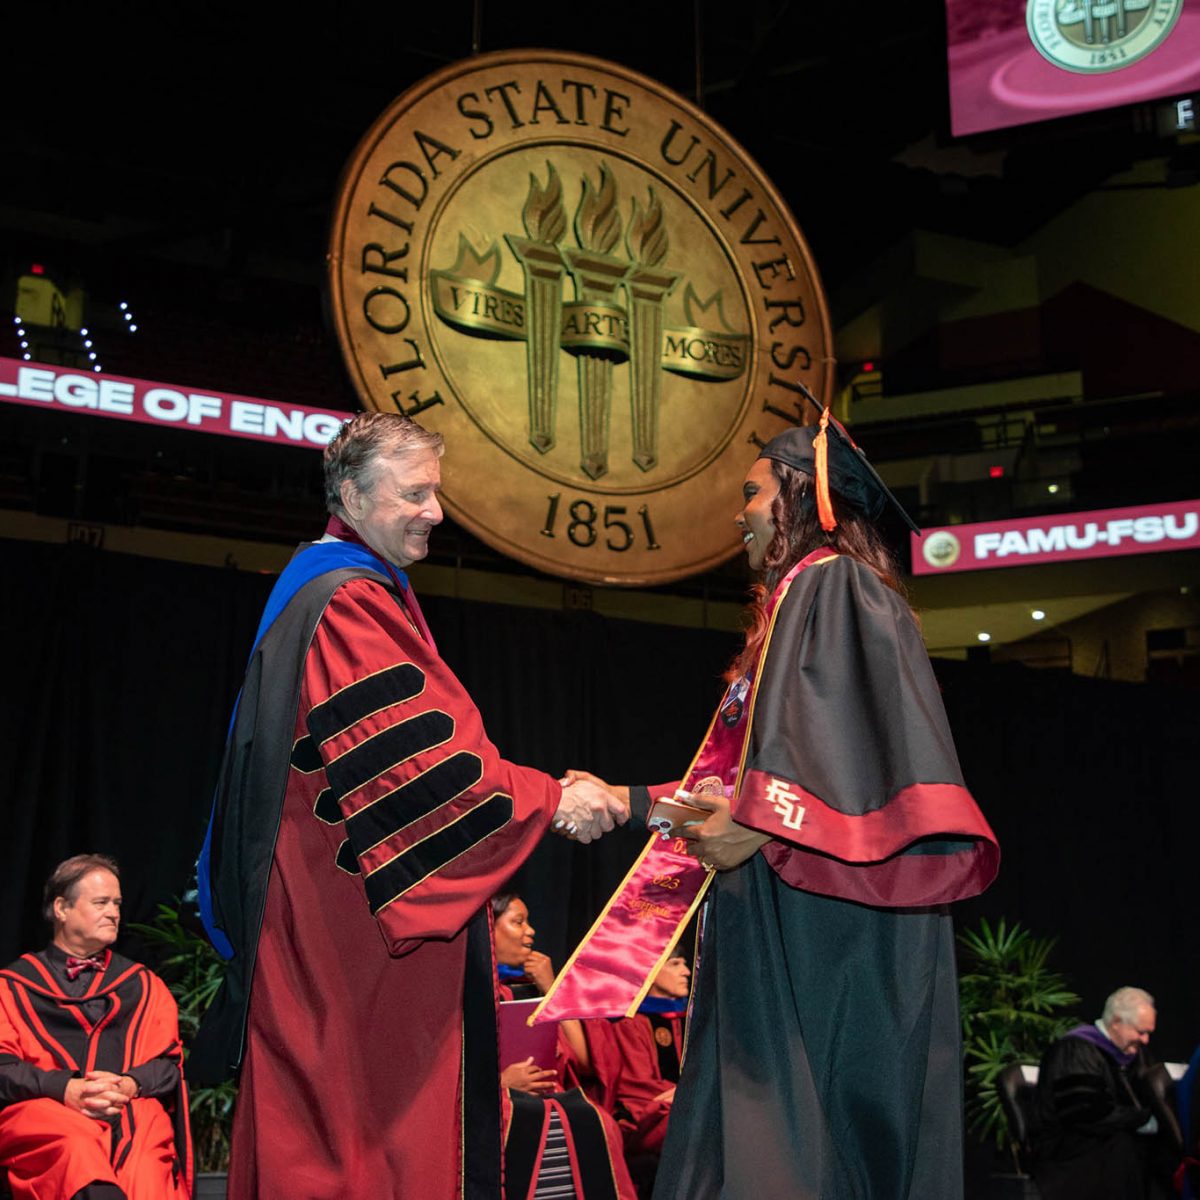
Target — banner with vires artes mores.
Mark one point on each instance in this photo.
(593, 292)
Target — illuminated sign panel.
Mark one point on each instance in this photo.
(1014, 63)
(1063, 537)
(39, 385)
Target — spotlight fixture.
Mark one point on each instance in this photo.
(1038, 615)
(984, 637)
(1052, 488)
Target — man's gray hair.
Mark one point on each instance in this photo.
(359, 445)
(1124, 1003)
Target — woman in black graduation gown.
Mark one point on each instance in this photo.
(824, 1056)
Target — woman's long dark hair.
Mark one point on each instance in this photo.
(798, 532)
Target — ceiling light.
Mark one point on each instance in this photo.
(1052, 488)
(1038, 615)
(984, 637)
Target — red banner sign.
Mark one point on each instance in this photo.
(1147, 529)
(69, 389)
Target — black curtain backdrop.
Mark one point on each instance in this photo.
(121, 673)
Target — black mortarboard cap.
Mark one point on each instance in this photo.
(850, 475)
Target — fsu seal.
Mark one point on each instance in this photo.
(593, 292)
(1094, 36)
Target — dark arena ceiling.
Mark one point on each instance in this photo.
(220, 132)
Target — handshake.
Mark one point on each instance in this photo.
(589, 807)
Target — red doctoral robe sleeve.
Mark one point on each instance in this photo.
(435, 821)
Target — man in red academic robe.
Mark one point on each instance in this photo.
(636, 1063)
(92, 1100)
(362, 822)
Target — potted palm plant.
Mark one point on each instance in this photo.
(193, 971)
(1013, 1006)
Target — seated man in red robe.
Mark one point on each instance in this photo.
(92, 1099)
(636, 1062)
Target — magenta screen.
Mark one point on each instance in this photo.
(1016, 61)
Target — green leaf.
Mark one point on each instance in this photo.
(1013, 1006)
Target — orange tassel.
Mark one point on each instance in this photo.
(821, 454)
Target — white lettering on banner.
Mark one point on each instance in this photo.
(1145, 530)
(1041, 540)
(86, 391)
(245, 417)
(166, 404)
(202, 408)
(266, 420)
(34, 384)
(291, 424)
(785, 802)
(143, 401)
(321, 428)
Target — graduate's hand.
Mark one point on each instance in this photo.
(588, 810)
(540, 970)
(720, 842)
(527, 1076)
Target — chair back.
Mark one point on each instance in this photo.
(1017, 1094)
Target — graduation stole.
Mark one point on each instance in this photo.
(613, 967)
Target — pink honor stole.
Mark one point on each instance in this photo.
(613, 967)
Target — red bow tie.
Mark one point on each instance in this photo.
(76, 966)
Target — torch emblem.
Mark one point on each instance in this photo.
(615, 319)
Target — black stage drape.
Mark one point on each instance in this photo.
(121, 673)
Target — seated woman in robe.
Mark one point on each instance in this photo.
(554, 1131)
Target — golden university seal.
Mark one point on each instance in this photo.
(1096, 36)
(593, 292)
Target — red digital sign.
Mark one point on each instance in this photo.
(1146, 529)
(68, 389)
(1016, 61)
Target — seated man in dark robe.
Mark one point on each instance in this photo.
(92, 1100)
(1094, 1137)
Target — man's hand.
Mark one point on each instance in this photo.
(527, 1076)
(588, 809)
(721, 842)
(620, 791)
(100, 1094)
